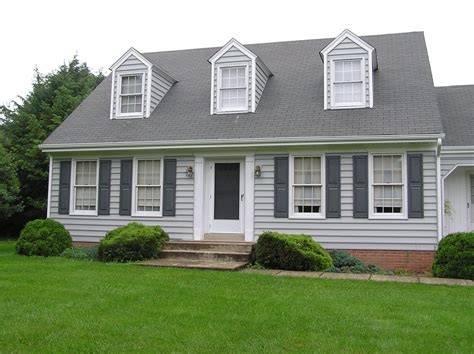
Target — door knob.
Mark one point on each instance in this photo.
(241, 197)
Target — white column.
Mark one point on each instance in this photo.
(249, 197)
(198, 197)
(50, 184)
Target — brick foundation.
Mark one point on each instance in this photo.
(411, 261)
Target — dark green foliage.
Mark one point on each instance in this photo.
(31, 120)
(81, 253)
(346, 263)
(291, 252)
(133, 242)
(43, 237)
(455, 256)
(9, 185)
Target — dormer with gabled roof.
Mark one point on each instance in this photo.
(138, 86)
(238, 78)
(349, 63)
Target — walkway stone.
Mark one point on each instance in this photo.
(394, 278)
(262, 271)
(446, 281)
(196, 264)
(346, 276)
(300, 274)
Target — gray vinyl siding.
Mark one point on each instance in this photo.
(93, 228)
(449, 161)
(159, 87)
(347, 232)
(132, 64)
(260, 81)
(348, 48)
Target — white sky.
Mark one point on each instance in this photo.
(46, 33)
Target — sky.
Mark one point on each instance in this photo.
(47, 33)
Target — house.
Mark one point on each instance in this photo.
(344, 139)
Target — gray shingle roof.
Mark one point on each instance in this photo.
(456, 104)
(291, 104)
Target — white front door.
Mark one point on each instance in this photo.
(226, 186)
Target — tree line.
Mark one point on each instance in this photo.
(25, 124)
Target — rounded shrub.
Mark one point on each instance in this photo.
(43, 237)
(291, 252)
(133, 242)
(455, 256)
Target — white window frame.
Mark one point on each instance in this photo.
(219, 76)
(118, 107)
(136, 212)
(372, 213)
(72, 201)
(322, 213)
(342, 105)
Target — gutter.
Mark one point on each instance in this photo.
(457, 149)
(231, 143)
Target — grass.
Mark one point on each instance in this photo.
(60, 305)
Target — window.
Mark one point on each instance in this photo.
(85, 187)
(387, 184)
(307, 185)
(233, 89)
(148, 187)
(131, 94)
(348, 86)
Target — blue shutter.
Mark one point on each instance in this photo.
(126, 177)
(64, 187)
(360, 186)
(415, 186)
(333, 186)
(281, 187)
(169, 187)
(105, 167)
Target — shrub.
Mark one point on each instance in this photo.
(43, 237)
(455, 256)
(81, 253)
(346, 263)
(133, 242)
(291, 252)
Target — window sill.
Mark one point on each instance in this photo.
(136, 116)
(387, 217)
(233, 111)
(83, 213)
(348, 106)
(306, 217)
(147, 215)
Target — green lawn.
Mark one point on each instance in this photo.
(59, 305)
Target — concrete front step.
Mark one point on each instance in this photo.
(217, 246)
(230, 237)
(217, 256)
(186, 263)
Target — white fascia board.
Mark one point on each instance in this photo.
(261, 142)
(232, 43)
(457, 149)
(128, 53)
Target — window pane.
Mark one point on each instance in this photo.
(307, 173)
(388, 194)
(148, 199)
(148, 172)
(233, 99)
(348, 93)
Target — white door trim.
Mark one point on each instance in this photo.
(201, 214)
(224, 226)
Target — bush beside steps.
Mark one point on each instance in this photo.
(291, 252)
(43, 237)
(455, 256)
(133, 242)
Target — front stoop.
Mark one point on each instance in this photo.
(218, 255)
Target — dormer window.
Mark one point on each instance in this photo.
(349, 63)
(233, 88)
(238, 78)
(131, 94)
(347, 85)
(138, 86)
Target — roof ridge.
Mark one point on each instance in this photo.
(280, 42)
